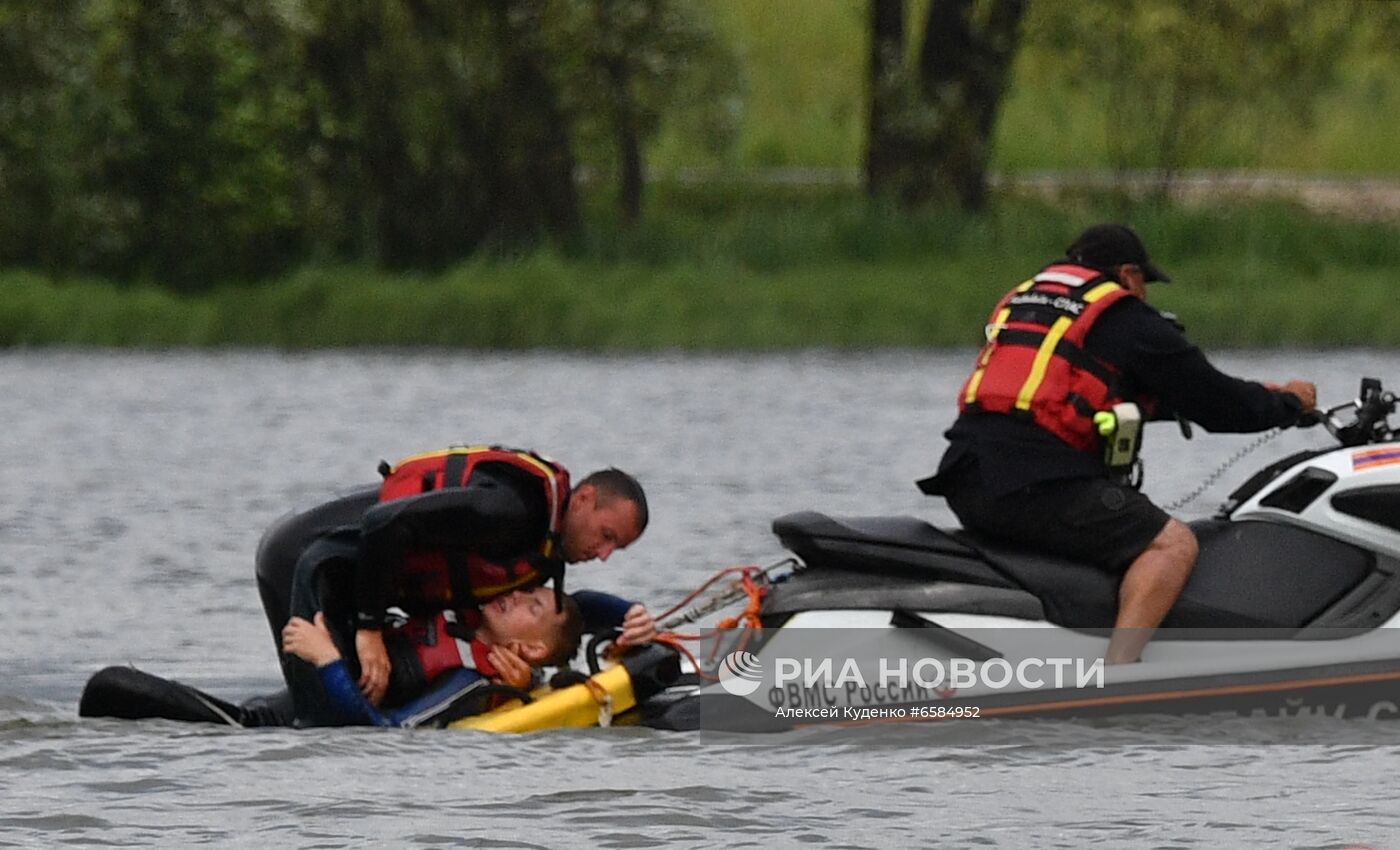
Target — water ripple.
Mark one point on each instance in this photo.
(141, 561)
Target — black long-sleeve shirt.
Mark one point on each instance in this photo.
(501, 515)
(1156, 360)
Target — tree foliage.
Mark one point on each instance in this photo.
(1174, 73)
(931, 125)
(193, 141)
(135, 134)
(633, 62)
(436, 129)
(964, 68)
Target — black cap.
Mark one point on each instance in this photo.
(1107, 246)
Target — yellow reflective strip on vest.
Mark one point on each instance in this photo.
(1100, 291)
(992, 331)
(556, 513)
(1042, 362)
(1047, 347)
(454, 450)
(543, 467)
(975, 381)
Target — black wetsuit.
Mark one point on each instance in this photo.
(347, 572)
(501, 514)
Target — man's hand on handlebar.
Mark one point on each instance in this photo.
(1360, 422)
(1304, 391)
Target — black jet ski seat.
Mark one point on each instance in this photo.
(1249, 575)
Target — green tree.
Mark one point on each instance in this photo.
(625, 65)
(1174, 74)
(930, 126)
(196, 121)
(39, 62)
(194, 141)
(147, 139)
(439, 129)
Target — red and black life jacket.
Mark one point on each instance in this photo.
(460, 580)
(424, 648)
(1034, 364)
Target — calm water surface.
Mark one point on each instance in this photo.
(136, 487)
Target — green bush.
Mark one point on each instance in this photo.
(720, 273)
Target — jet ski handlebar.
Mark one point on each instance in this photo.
(1361, 421)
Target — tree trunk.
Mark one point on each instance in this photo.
(930, 138)
(884, 148)
(539, 141)
(966, 58)
(611, 58)
(629, 148)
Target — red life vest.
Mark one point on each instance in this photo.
(440, 643)
(460, 580)
(1034, 364)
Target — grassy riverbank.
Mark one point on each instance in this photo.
(719, 270)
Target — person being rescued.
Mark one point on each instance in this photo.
(454, 530)
(454, 660)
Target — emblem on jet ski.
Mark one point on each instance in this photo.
(741, 673)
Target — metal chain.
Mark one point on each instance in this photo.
(1221, 470)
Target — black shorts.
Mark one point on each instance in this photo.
(1093, 520)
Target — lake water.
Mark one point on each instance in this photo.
(137, 484)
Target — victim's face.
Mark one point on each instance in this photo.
(527, 616)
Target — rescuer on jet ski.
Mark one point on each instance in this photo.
(1026, 456)
(456, 528)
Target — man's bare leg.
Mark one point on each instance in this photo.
(1149, 588)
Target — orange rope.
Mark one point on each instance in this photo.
(675, 642)
(751, 619)
(671, 638)
(752, 616)
(745, 570)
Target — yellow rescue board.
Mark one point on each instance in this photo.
(577, 706)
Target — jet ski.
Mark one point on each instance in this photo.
(1293, 609)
